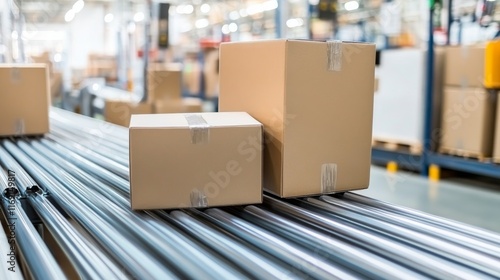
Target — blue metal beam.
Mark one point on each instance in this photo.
(465, 165)
(404, 160)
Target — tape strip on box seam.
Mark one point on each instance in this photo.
(198, 198)
(200, 129)
(328, 177)
(19, 127)
(334, 55)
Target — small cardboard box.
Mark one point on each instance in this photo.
(195, 160)
(119, 112)
(496, 144)
(467, 122)
(187, 105)
(24, 99)
(164, 82)
(315, 100)
(464, 66)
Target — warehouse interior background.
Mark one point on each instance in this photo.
(436, 116)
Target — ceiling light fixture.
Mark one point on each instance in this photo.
(78, 6)
(351, 5)
(109, 17)
(139, 17)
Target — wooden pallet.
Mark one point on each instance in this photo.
(465, 154)
(412, 148)
(496, 160)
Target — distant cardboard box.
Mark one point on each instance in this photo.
(195, 160)
(164, 82)
(315, 100)
(120, 112)
(464, 66)
(24, 99)
(187, 105)
(467, 122)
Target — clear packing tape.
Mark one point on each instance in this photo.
(328, 177)
(19, 127)
(198, 199)
(334, 55)
(199, 128)
(200, 134)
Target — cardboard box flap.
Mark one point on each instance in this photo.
(181, 121)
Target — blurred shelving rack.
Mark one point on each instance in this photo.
(429, 158)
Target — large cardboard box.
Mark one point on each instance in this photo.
(464, 66)
(24, 99)
(467, 122)
(195, 160)
(164, 82)
(187, 105)
(496, 145)
(119, 112)
(315, 100)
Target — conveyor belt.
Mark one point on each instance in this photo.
(82, 166)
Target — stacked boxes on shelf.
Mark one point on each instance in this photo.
(468, 111)
(25, 99)
(307, 97)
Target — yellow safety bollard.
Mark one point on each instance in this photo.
(434, 173)
(392, 167)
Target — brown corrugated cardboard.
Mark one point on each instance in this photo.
(464, 66)
(164, 83)
(317, 115)
(187, 105)
(467, 122)
(119, 112)
(195, 160)
(211, 73)
(44, 58)
(102, 65)
(24, 99)
(496, 145)
(56, 85)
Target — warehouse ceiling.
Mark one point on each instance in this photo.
(53, 11)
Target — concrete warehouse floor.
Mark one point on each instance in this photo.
(470, 201)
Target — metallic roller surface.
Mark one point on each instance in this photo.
(80, 169)
(453, 252)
